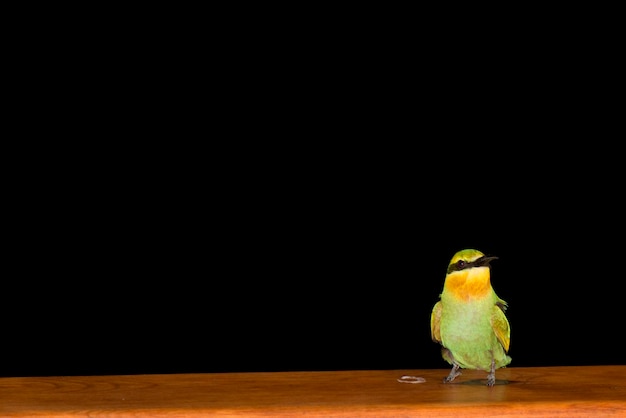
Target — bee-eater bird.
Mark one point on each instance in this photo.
(468, 320)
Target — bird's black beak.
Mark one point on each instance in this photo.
(484, 261)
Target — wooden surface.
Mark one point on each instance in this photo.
(544, 391)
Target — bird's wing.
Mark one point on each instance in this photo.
(501, 327)
(435, 320)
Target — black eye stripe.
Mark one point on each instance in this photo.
(464, 264)
(460, 265)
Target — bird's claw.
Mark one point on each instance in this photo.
(453, 375)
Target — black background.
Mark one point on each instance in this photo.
(277, 211)
(280, 262)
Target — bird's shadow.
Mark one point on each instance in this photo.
(483, 382)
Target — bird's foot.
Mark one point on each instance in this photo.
(491, 377)
(453, 374)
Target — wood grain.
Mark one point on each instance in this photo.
(519, 392)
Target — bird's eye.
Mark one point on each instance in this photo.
(461, 263)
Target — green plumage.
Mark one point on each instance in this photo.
(469, 320)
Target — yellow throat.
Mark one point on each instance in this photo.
(468, 284)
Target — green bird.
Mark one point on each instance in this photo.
(468, 320)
